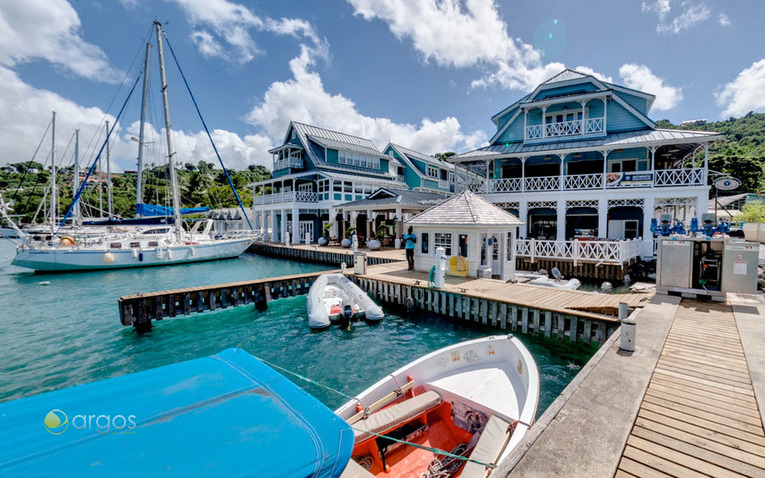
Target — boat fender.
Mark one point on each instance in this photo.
(140, 257)
(68, 241)
(135, 253)
(108, 258)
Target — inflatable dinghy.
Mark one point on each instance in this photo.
(334, 296)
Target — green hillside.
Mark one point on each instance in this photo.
(741, 154)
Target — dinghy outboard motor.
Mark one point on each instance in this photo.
(346, 316)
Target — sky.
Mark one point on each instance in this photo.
(426, 74)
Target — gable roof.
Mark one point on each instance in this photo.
(467, 209)
(328, 138)
(574, 76)
(399, 197)
(407, 153)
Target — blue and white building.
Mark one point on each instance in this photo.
(579, 157)
(315, 170)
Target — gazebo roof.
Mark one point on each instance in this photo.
(467, 209)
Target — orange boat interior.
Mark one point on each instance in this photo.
(434, 428)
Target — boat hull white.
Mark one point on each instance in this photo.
(319, 317)
(61, 259)
(492, 376)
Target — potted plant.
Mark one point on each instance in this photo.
(324, 239)
(375, 244)
(348, 233)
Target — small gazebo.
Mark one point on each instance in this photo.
(479, 237)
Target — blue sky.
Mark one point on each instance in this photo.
(426, 74)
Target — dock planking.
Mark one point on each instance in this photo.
(699, 415)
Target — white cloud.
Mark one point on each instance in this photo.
(724, 20)
(25, 111)
(745, 93)
(50, 30)
(304, 99)
(219, 21)
(690, 15)
(641, 78)
(463, 33)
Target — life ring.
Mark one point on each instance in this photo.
(68, 241)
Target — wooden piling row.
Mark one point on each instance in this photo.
(316, 256)
(587, 270)
(140, 309)
(570, 327)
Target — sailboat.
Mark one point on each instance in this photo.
(141, 247)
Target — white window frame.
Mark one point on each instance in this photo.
(432, 172)
(443, 239)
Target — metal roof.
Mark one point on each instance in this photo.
(343, 146)
(397, 197)
(566, 75)
(347, 139)
(465, 208)
(421, 156)
(627, 139)
(365, 178)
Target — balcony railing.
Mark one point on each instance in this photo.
(289, 196)
(291, 163)
(566, 128)
(619, 252)
(633, 179)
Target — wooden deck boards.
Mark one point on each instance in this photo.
(565, 301)
(699, 416)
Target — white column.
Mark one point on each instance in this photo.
(295, 223)
(561, 209)
(706, 166)
(653, 158)
(602, 217)
(523, 213)
(561, 179)
(544, 121)
(648, 205)
(486, 185)
(525, 126)
(523, 178)
(284, 225)
(399, 228)
(370, 222)
(605, 167)
(333, 223)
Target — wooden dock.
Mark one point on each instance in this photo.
(685, 403)
(573, 316)
(699, 416)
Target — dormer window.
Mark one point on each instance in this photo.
(432, 172)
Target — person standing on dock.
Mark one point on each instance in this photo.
(410, 239)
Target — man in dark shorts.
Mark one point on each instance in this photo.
(410, 239)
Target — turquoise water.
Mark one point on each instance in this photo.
(68, 332)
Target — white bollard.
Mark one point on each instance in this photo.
(355, 243)
(287, 239)
(628, 335)
(307, 238)
(438, 280)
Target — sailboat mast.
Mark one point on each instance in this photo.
(170, 152)
(53, 173)
(139, 180)
(108, 176)
(76, 174)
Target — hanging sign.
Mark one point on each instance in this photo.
(727, 184)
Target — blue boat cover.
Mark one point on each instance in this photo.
(154, 210)
(224, 415)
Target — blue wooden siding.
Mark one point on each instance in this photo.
(635, 101)
(411, 178)
(332, 156)
(514, 132)
(502, 120)
(384, 165)
(619, 119)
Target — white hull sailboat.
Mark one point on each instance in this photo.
(473, 400)
(152, 246)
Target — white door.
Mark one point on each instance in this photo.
(490, 247)
(306, 226)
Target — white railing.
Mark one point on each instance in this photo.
(679, 177)
(289, 196)
(443, 183)
(628, 180)
(566, 128)
(505, 185)
(534, 132)
(294, 163)
(583, 181)
(599, 252)
(543, 183)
